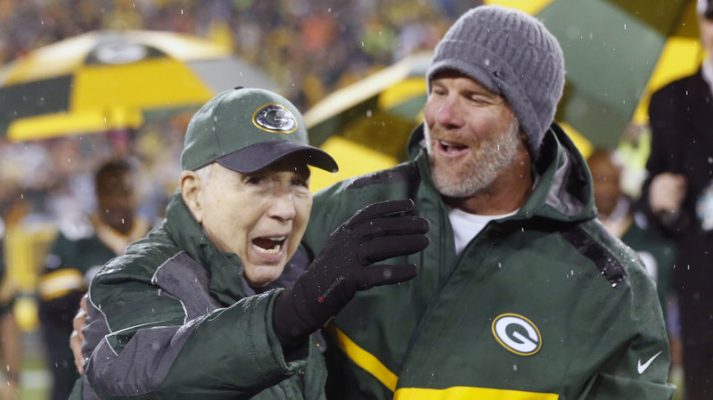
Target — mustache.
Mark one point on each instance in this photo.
(435, 134)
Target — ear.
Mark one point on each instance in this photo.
(191, 191)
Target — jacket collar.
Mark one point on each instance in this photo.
(564, 190)
(225, 269)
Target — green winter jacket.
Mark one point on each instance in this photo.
(173, 319)
(540, 305)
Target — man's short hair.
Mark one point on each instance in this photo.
(110, 178)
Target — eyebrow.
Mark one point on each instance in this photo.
(477, 89)
(481, 91)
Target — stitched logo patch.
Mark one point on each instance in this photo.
(275, 118)
(517, 334)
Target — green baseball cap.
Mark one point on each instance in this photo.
(247, 129)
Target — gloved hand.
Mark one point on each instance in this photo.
(374, 233)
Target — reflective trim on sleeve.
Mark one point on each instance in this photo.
(58, 283)
(467, 393)
(363, 358)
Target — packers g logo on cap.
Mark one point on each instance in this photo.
(275, 118)
(517, 334)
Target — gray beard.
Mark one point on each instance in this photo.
(491, 158)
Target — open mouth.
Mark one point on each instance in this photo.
(451, 147)
(269, 244)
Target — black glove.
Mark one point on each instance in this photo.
(374, 233)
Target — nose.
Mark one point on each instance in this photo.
(448, 114)
(283, 207)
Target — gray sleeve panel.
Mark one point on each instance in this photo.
(179, 278)
(148, 353)
(235, 349)
(95, 328)
(185, 279)
(175, 359)
(143, 363)
(228, 351)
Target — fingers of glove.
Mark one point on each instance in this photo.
(396, 225)
(384, 247)
(378, 275)
(382, 208)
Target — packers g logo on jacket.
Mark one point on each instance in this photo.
(517, 334)
(275, 118)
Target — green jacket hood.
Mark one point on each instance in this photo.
(564, 190)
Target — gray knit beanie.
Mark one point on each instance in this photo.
(511, 54)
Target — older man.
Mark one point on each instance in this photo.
(522, 293)
(190, 312)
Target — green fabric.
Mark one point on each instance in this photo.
(601, 36)
(232, 121)
(232, 353)
(82, 254)
(30, 99)
(649, 244)
(436, 331)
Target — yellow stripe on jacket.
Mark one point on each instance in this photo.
(369, 363)
(364, 359)
(467, 393)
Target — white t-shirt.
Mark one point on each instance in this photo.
(466, 226)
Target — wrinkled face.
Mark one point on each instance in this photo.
(471, 134)
(607, 190)
(261, 217)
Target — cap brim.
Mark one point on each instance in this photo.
(260, 155)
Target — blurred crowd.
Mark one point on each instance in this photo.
(310, 48)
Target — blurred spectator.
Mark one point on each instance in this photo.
(77, 253)
(633, 151)
(11, 211)
(620, 217)
(295, 41)
(25, 165)
(679, 194)
(123, 16)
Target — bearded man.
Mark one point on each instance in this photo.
(522, 293)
